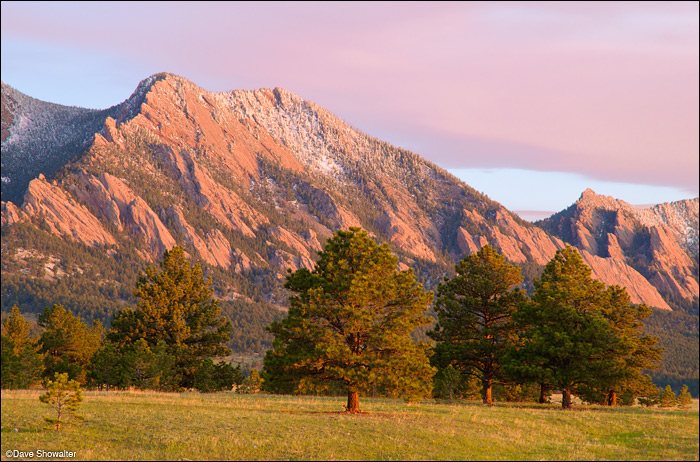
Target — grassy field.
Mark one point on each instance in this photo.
(192, 426)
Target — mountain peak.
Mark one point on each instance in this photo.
(131, 106)
(591, 200)
(588, 193)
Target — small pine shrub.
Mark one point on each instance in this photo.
(64, 396)
(684, 398)
(667, 398)
(252, 383)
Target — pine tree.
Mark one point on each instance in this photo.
(140, 364)
(349, 325)
(212, 377)
(638, 389)
(566, 341)
(226, 377)
(684, 398)
(176, 306)
(64, 396)
(634, 351)
(474, 308)
(252, 383)
(446, 382)
(68, 342)
(667, 398)
(134, 365)
(22, 362)
(107, 368)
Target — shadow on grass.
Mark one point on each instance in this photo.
(535, 406)
(385, 415)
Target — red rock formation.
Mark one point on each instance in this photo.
(63, 214)
(660, 242)
(613, 271)
(137, 216)
(11, 214)
(213, 249)
(225, 205)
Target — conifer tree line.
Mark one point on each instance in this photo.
(168, 342)
(348, 331)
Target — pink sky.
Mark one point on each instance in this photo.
(605, 90)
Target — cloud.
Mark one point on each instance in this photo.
(606, 89)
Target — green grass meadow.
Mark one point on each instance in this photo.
(228, 426)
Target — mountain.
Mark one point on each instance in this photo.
(660, 242)
(251, 183)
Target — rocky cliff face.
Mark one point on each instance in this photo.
(253, 182)
(661, 242)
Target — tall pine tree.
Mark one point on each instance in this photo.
(175, 306)
(22, 362)
(474, 309)
(566, 342)
(348, 327)
(68, 342)
(634, 352)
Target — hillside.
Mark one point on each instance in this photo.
(252, 183)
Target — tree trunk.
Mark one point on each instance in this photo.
(353, 402)
(566, 399)
(486, 392)
(543, 393)
(612, 398)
